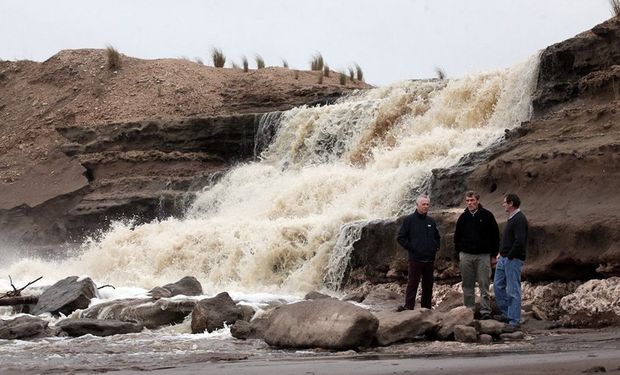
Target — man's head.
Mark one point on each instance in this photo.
(472, 199)
(511, 202)
(422, 204)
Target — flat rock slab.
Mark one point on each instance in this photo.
(98, 327)
(151, 313)
(66, 296)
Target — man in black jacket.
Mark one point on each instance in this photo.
(419, 236)
(507, 282)
(476, 241)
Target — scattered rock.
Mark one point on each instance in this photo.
(383, 299)
(66, 296)
(23, 327)
(465, 334)
(489, 327)
(315, 295)
(97, 327)
(212, 313)
(241, 330)
(187, 286)
(324, 323)
(485, 339)
(461, 315)
(151, 314)
(404, 325)
(247, 312)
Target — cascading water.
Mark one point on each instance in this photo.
(287, 222)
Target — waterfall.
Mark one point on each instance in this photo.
(287, 222)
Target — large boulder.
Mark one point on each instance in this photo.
(97, 327)
(324, 323)
(212, 313)
(404, 325)
(459, 316)
(150, 313)
(66, 296)
(23, 327)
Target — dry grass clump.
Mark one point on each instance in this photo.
(246, 66)
(351, 74)
(218, 58)
(326, 70)
(342, 77)
(441, 74)
(296, 74)
(615, 7)
(320, 79)
(114, 58)
(234, 65)
(359, 75)
(284, 63)
(317, 62)
(260, 63)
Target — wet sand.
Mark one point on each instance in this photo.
(548, 363)
(563, 351)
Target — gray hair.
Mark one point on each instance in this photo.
(420, 197)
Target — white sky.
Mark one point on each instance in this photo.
(392, 40)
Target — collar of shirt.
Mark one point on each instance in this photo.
(514, 213)
(473, 212)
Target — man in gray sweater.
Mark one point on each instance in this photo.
(507, 282)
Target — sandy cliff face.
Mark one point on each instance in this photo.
(566, 167)
(137, 138)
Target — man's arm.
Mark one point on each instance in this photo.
(494, 233)
(458, 235)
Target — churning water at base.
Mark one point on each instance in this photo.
(287, 222)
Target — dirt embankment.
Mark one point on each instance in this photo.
(45, 194)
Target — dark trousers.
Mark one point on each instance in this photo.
(419, 271)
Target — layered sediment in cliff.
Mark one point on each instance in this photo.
(137, 139)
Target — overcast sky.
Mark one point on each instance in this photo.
(391, 40)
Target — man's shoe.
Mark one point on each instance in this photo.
(501, 318)
(485, 316)
(510, 328)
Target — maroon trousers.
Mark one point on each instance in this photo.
(419, 271)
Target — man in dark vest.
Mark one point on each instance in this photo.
(476, 241)
(507, 283)
(419, 236)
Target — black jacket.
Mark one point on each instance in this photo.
(419, 236)
(477, 233)
(514, 240)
